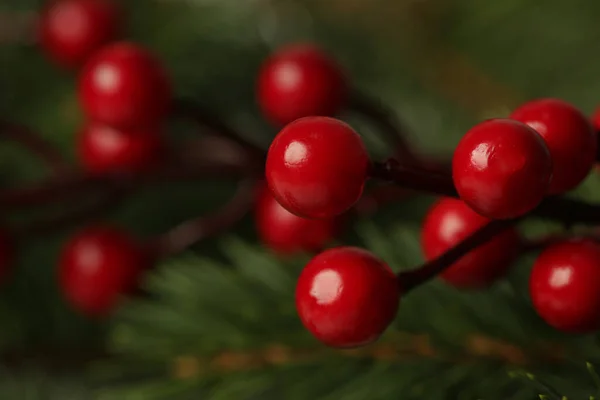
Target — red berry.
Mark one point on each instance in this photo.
(347, 297)
(596, 119)
(448, 222)
(300, 81)
(502, 168)
(569, 136)
(98, 266)
(564, 286)
(104, 149)
(286, 233)
(317, 167)
(71, 30)
(124, 86)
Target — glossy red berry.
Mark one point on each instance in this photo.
(104, 149)
(300, 81)
(317, 167)
(124, 86)
(569, 136)
(502, 168)
(97, 266)
(564, 285)
(448, 222)
(347, 297)
(71, 30)
(286, 233)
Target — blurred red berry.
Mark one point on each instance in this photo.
(125, 86)
(569, 136)
(300, 81)
(71, 30)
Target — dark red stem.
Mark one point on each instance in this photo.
(95, 207)
(36, 145)
(560, 209)
(387, 123)
(182, 236)
(209, 121)
(410, 177)
(409, 280)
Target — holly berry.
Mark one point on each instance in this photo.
(104, 149)
(502, 168)
(596, 119)
(124, 86)
(71, 30)
(347, 297)
(300, 81)
(97, 266)
(569, 136)
(286, 233)
(564, 285)
(448, 222)
(316, 167)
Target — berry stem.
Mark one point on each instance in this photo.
(208, 120)
(557, 208)
(409, 177)
(35, 144)
(192, 231)
(388, 124)
(409, 280)
(57, 189)
(97, 207)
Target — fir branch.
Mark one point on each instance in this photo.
(409, 346)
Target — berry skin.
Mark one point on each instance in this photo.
(124, 86)
(447, 223)
(596, 119)
(347, 297)
(300, 81)
(316, 167)
(564, 286)
(502, 168)
(104, 149)
(286, 233)
(569, 136)
(71, 30)
(98, 266)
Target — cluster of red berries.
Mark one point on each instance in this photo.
(316, 170)
(317, 167)
(125, 95)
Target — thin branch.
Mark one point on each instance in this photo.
(388, 124)
(208, 120)
(557, 208)
(409, 177)
(195, 230)
(409, 280)
(34, 143)
(99, 206)
(57, 189)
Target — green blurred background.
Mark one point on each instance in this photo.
(442, 65)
